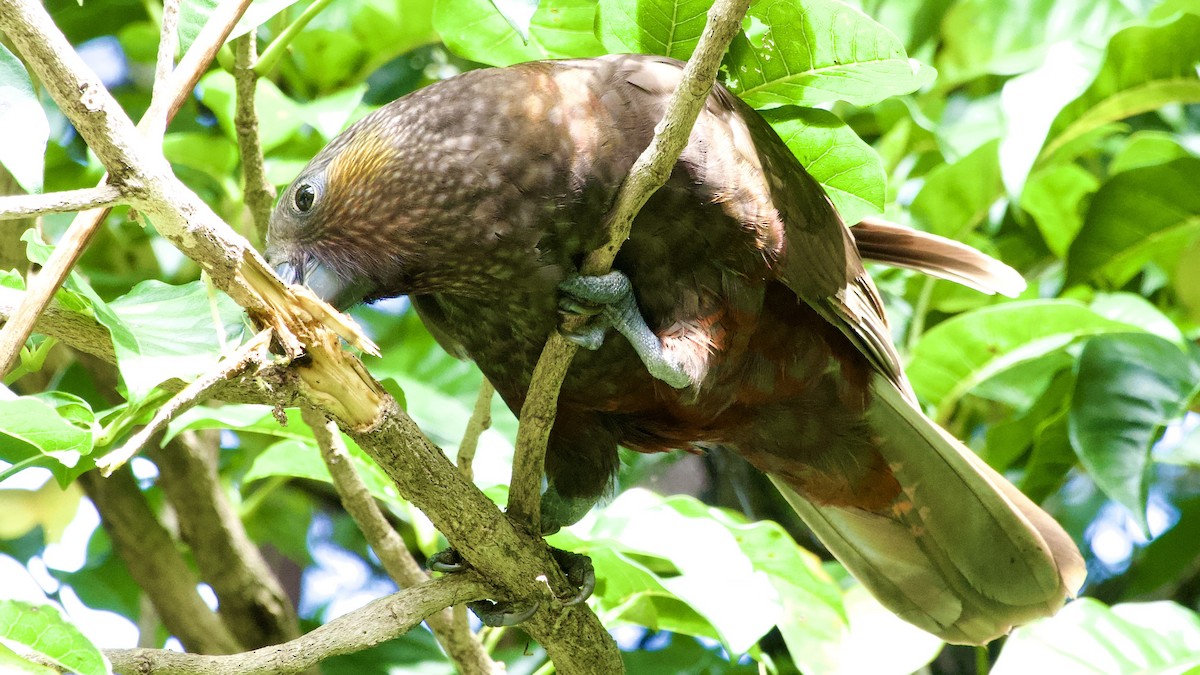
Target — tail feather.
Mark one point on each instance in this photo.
(961, 552)
(892, 244)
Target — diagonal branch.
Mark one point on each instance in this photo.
(379, 621)
(649, 173)
(22, 206)
(460, 644)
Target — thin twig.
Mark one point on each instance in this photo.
(379, 621)
(461, 645)
(24, 206)
(168, 44)
(649, 173)
(253, 354)
(257, 190)
(481, 419)
(279, 45)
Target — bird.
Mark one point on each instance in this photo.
(738, 314)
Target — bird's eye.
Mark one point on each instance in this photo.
(304, 197)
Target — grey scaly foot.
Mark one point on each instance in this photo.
(577, 568)
(610, 298)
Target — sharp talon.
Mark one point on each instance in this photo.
(570, 305)
(589, 338)
(448, 561)
(502, 613)
(580, 573)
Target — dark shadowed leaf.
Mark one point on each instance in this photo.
(1127, 389)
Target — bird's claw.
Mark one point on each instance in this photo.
(577, 568)
(591, 337)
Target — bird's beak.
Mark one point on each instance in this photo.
(323, 282)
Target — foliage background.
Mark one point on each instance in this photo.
(1060, 136)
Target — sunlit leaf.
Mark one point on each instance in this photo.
(956, 197)
(1138, 215)
(1056, 198)
(1131, 638)
(42, 629)
(33, 432)
(804, 53)
(961, 352)
(1127, 389)
(559, 29)
(302, 459)
(23, 126)
(664, 27)
(849, 170)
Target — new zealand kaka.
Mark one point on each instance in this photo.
(740, 287)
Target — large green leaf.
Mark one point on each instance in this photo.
(474, 29)
(1006, 37)
(849, 169)
(815, 51)
(1127, 389)
(23, 125)
(1145, 68)
(1152, 213)
(665, 27)
(167, 331)
(956, 197)
(54, 430)
(961, 352)
(1087, 637)
(1056, 198)
(301, 459)
(278, 117)
(42, 629)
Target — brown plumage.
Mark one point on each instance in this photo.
(477, 196)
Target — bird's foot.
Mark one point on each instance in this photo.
(577, 568)
(609, 298)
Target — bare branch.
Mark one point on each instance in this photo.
(379, 621)
(251, 600)
(481, 419)
(24, 206)
(155, 564)
(257, 190)
(649, 173)
(460, 644)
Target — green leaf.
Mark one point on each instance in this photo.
(258, 13)
(193, 14)
(816, 51)
(54, 432)
(167, 331)
(1007, 37)
(849, 169)
(693, 569)
(12, 663)
(474, 29)
(23, 125)
(1138, 75)
(1147, 148)
(957, 354)
(664, 27)
(1139, 215)
(241, 417)
(302, 459)
(956, 197)
(518, 14)
(44, 631)
(1128, 388)
(1056, 198)
(1087, 637)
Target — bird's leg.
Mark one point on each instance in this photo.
(577, 568)
(610, 298)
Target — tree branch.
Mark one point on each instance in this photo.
(649, 173)
(460, 644)
(251, 600)
(155, 564)
(379, 621)
(257, 191)
(24, 206)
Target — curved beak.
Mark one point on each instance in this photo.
(323, 281)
